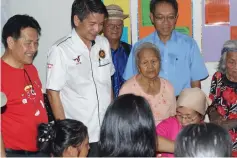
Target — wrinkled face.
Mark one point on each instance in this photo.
(148, 63)
(231, 65)
(25, 47)
(187, 116)
(113, 29)
(164, 18)
(89, 28)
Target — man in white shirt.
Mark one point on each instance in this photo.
(80, 68)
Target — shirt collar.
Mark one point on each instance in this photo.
(172, 38)
(76, 39)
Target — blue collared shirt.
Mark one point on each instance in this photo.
(119, 57)
(181, 60)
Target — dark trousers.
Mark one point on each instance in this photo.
(22, 153)
(94, 150)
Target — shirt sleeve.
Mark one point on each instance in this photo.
(131, 68)
(56, 69)
(198, 67)
(123, 90)
(213, 88)
(162, 128)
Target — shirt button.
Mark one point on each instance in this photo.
(166, 61)
(165, 72)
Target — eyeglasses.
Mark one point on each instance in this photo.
(161, 19)
(187, 118)
(114, 26)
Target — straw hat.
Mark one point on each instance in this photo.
(195, 99)
(116, 12)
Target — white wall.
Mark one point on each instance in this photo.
(54, 18)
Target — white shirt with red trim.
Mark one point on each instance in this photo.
(83, 78)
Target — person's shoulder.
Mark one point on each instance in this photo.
(125, 43)
(167, 83)
(62, 41)
(169, 121)
(149, 38)
(218, 74)
(184, 38)
(130, 81)
(101, 39)
(30, 67)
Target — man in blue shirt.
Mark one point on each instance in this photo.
(113, 29)
(181, 61)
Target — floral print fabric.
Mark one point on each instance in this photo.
(223, 93)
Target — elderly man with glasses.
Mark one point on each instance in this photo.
(113, 29)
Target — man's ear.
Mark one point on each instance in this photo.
(152, 18)
(10, 42)
(177, 16)
(76, 20)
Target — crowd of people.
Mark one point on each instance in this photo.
(107, 98)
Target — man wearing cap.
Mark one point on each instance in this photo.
(113, 29)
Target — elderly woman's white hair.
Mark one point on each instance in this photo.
(229, 46)
(147, 45)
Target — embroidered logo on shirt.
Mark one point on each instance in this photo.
(102, 54)
(77, 60)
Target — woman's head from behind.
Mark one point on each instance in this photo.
(191, 106)
(64, 138)
(203, 140)
(228, 61)
(148, 60)
(128, 128)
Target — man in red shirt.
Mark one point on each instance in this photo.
(20, 82)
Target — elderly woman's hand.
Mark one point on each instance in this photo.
(216, 118)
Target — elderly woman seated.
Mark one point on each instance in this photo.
(157, 91)
(223, 92)
(191, 108)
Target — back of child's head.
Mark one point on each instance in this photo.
(203, 140)
(54, 138)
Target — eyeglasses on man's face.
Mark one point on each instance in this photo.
(114, 26)
(162, 18)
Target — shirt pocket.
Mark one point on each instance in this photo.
(103, 67)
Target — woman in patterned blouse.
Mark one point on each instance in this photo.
(223, 92)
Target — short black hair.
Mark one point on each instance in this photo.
(128, 129)
(203, 140)
(15, 24)
(54, 138)
(82, 8)
(153, 4)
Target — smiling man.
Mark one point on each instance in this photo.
(24, 109)
(181, 61)
(80, 69)
(113, 29)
